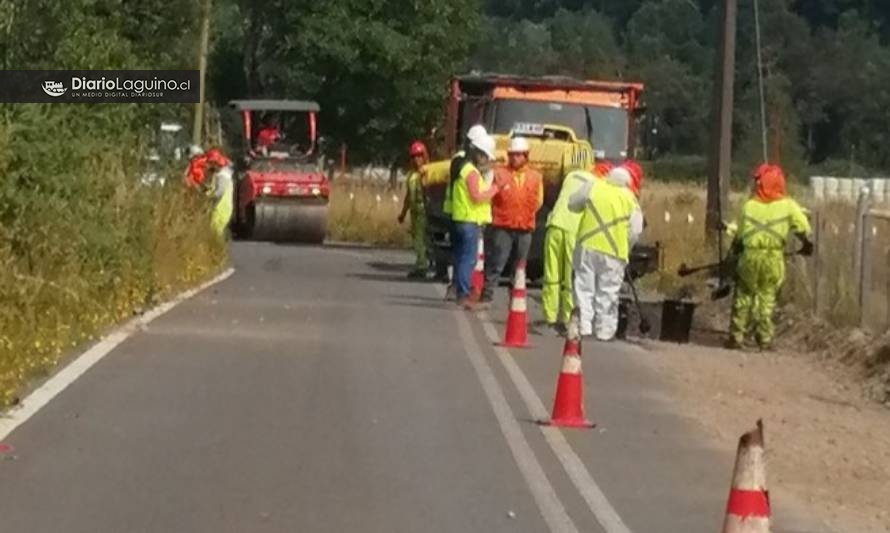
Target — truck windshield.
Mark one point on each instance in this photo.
(606, 130)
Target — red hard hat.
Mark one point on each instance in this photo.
(417, 148)
(216, 157)
(636, 175)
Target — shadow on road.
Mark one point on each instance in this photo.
(436, 305)
(398, 277)
(389, 267)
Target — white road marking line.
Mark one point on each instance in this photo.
(596, 500)
(545, 497)
(59, 382)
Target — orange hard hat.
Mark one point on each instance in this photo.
(765, 168)
(769, 182)
(417, 148)
(602, 169)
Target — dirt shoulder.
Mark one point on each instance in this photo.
(828, 444)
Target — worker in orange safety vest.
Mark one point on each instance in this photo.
(513, 212)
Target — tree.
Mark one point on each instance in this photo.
(378, 69)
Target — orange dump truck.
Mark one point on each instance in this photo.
(569, 123)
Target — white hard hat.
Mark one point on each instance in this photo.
(476, 132)
(619, 176)
(486, 145)
(195, 150)
(518, 145)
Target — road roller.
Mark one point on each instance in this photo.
(282, 192)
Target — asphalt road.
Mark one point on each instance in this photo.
(317, 390)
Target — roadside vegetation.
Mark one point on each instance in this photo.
(83, 244)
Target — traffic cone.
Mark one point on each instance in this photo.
(516, 334)
(478, 278)
(568, 406)
(748, 510)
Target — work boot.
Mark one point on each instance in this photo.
(560, 329)
(732, 344)
(417, 273)
(484, 302)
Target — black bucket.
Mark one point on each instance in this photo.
(676, 320)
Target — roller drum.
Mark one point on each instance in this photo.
(289, 220)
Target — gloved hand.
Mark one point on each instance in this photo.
(807, 249)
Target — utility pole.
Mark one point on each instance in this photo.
(198, 126)
(720, 157)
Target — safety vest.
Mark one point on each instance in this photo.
(415, 193)
(765, 226)
(561, 216)
(457, 161)
(463, 209)
(605, 222)
(515, 207)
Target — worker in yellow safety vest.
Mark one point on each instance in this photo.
(470, 210)
(475, 132)
(610, 224)
(759, 243)
(221, 189)
(559, 247)
(414, 204)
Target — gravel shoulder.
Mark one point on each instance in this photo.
(828, 445)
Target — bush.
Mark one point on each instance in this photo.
(83, 245)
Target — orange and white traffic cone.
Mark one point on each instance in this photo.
(478, 279)
(568, 406)
(748, 510)
(516, 333)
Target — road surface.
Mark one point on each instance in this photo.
(317, 390)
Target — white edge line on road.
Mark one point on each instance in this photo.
(552, 509)
(76, 368)
(596, 500)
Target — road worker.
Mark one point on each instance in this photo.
(513, 210)
(458, 160)
(268, 135)
(470, 210)
(559, 247)
(221, 190)
(413, 204)
(759, 243)
(611, 222)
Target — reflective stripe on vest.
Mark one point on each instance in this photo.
(765, 227)
(604, 228)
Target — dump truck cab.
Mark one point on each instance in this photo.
(569, 123)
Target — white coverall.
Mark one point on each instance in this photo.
(599, 276)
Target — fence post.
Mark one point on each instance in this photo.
(860, 260)
(817, 260)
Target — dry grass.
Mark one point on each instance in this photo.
(367, 213)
